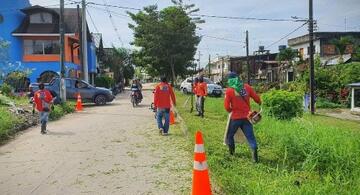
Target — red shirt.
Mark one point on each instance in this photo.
(240, 106)
(201, 89)
(42, 97)
(163, 96)
(195, 85)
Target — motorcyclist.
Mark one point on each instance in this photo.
(136, 88)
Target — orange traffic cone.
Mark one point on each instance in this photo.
(79, 106)
(172, 117)
(201, 181)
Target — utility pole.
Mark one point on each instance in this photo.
(312, 72)
(247, 57)
(84, 43)
(209, 66)
(222, 69)
(62, 53)
(80, 36)
(199, 61)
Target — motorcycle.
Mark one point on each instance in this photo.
(135, 97)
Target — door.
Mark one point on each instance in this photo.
(84, 89)
(70, 89)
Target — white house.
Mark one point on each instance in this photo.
(219, 68)
(355, 97)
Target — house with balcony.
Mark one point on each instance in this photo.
(33, 33)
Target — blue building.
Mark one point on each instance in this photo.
(33, 33)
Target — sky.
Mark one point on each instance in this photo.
(331, 15)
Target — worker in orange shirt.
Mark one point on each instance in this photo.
(42, 102)
(194, 89)
(163, 97)
(202, 92)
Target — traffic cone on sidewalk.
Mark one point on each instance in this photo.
(172, 117)
(79, 106)
(201, 180)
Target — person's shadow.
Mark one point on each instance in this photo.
(61, 133)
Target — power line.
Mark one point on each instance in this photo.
(113, 12)
(112, 22)
(115, 6)
(285, 36)
(208, 16)
(221, 38)
(244, 18)
(92, 21)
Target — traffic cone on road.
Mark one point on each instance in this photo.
(172, 117)
(79, 106)
(201, 180)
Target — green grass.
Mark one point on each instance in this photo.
(309, 155)
(7, 121)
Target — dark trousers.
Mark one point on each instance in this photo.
(246, 127)
(200, 105)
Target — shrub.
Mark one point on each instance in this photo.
(6, 89)
(283, 104)
(61, 109)
(104, 81)
(324, 103)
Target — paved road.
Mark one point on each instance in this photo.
(113, 149)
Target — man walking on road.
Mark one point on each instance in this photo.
(201, 93)
(42, 101)
(163, 96)
(237, 102)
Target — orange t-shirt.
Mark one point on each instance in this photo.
(202, 89)
(164, 95)
(42, 97)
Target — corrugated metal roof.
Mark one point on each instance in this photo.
(354, 85)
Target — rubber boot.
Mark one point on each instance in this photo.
(231, 150)
(43, 128)
(255, 156)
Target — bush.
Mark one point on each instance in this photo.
(61, 109)
(264, 87)
(324, 103)
(104, 81)
(6, 89)
(283, 104)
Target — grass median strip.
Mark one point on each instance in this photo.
(308, 155)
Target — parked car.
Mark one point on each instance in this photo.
(213, 89)
(89, 93)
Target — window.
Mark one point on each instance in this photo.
(41, 47)
(329, 49)
(41, 18)
(290, 76)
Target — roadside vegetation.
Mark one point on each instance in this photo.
(302, 155)
(16, 115)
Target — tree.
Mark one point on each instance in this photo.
(119, 60)
(166, 39)
(341, 45)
